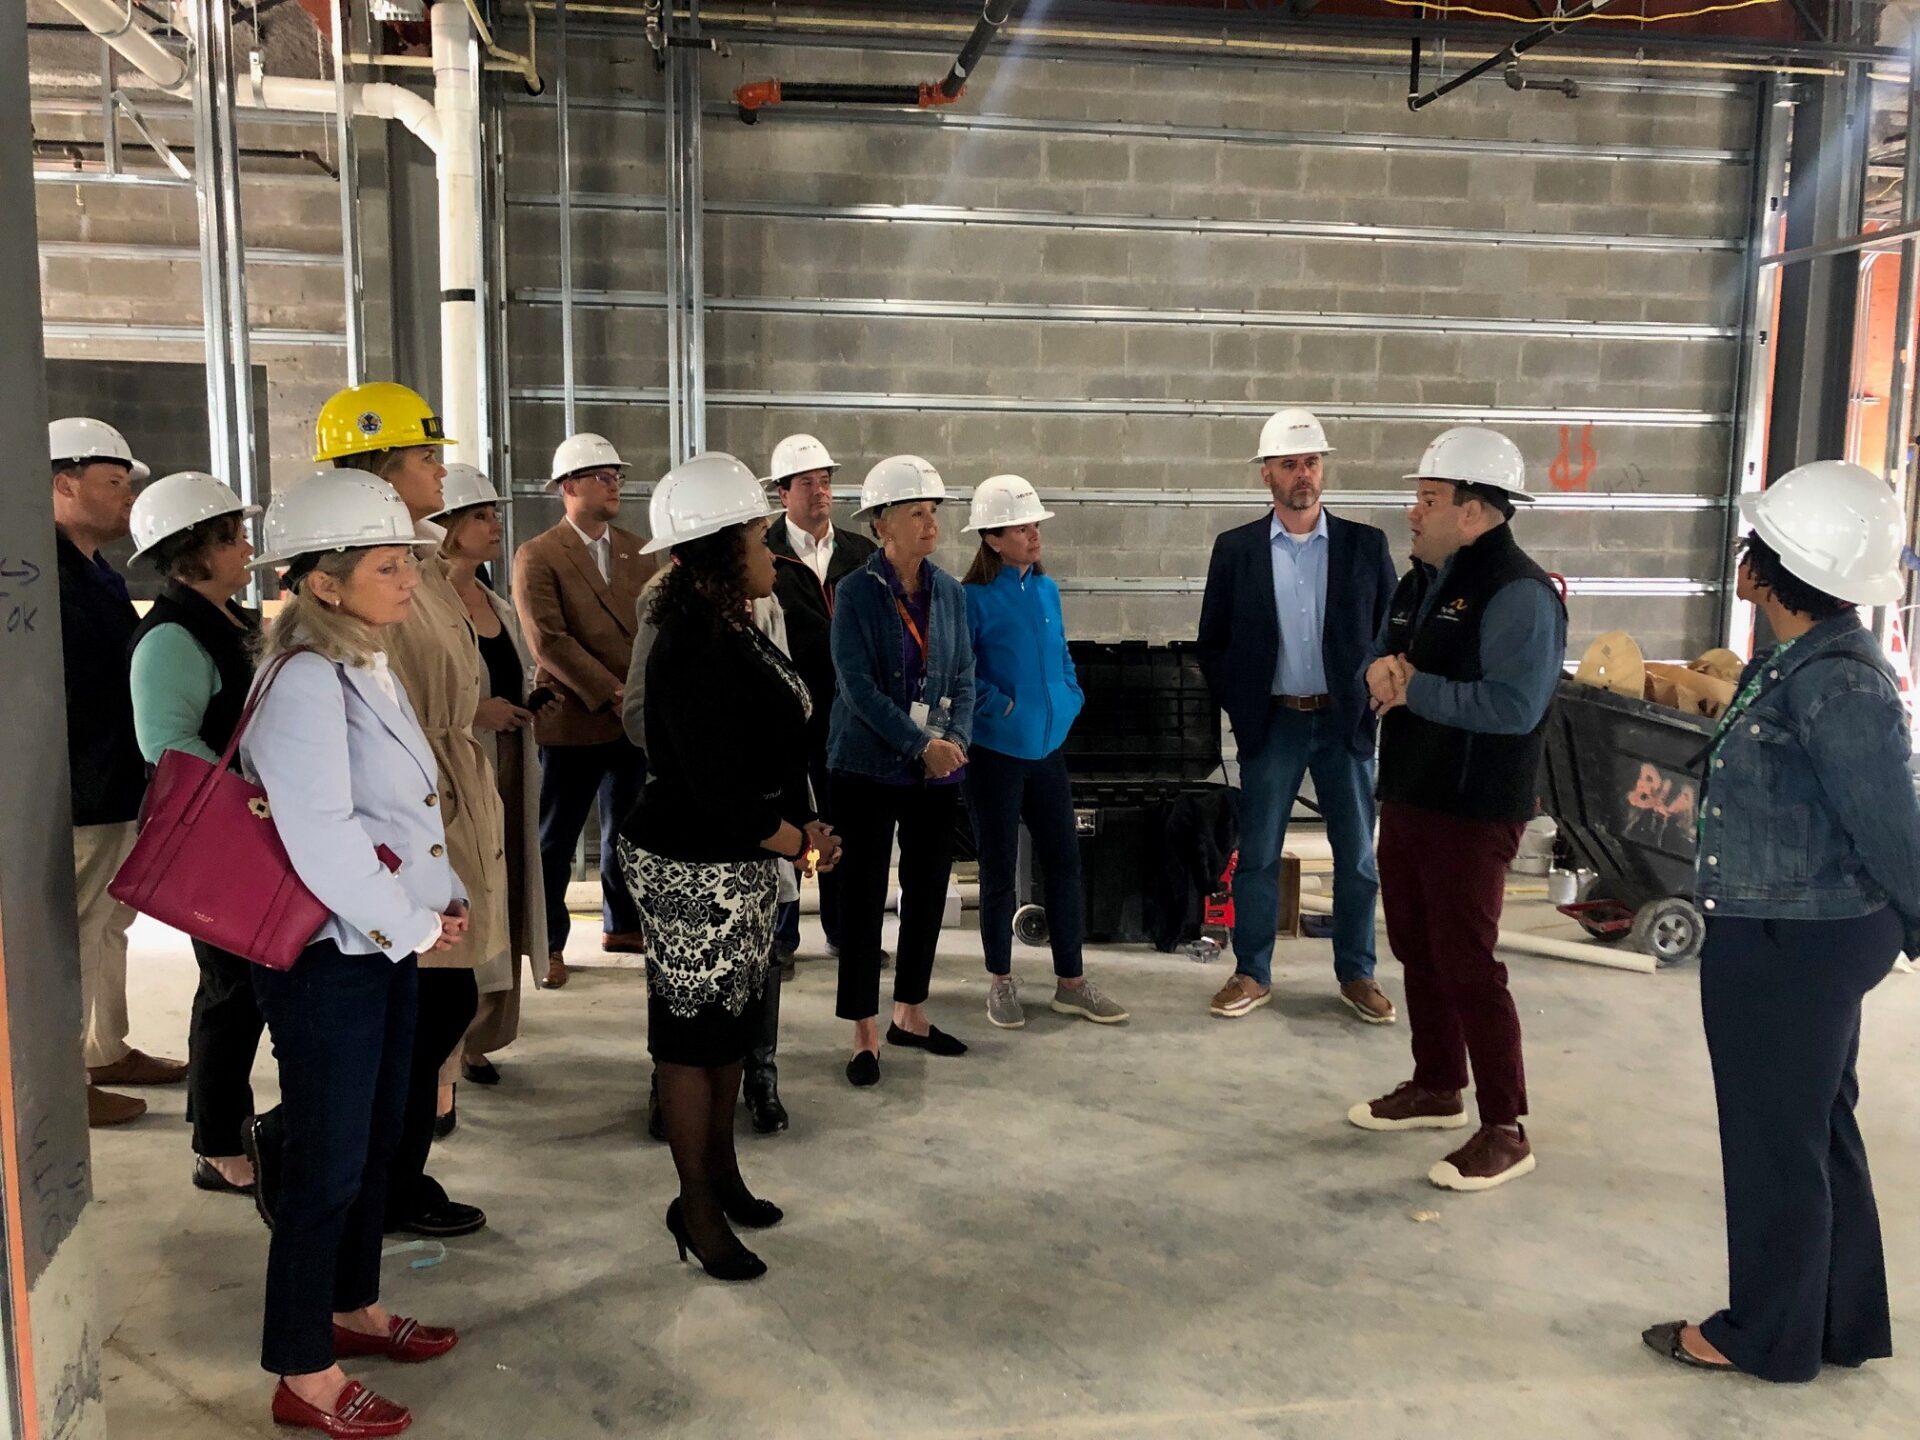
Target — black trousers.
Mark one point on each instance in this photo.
(869, 813)
(1002, 791)
(223, 1038)
(1781, 1002)
(342, 1030)
(448, 1000)
(572, 777)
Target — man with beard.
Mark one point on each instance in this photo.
(1293, 603)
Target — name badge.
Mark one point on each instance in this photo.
(920, 713)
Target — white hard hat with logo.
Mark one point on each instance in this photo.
(1292, 431)
(1836, 526)
(798, 454)
(1476, 455)
(702, 496)
(335, 510)
(1003, 500)
(179, 502)
(463, 488)
(585, 451)
(78, 438)
(897, 480)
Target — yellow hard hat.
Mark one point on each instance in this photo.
(379, 415)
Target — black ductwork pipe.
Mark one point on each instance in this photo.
(992, 16)
(830, 93)
(1506, 56)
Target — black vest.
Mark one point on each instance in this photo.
(1439, 767)
(229, 645)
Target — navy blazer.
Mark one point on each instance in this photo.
(1239, 643)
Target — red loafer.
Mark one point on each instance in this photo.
(408, 1342)
(358, 1413)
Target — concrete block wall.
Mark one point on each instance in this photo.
(1607, 186)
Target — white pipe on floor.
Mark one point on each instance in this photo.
(1538, 945)
(459, 188)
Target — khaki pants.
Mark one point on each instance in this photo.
(98, 852)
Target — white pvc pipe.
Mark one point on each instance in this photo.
(459, 232)
(113, 22)
(1539, 945)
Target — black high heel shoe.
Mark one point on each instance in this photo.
(754, 1213)
(740, 1264)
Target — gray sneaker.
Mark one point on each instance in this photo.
(1003, 1003)
(1089, 1002)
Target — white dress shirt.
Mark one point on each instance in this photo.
(816, 555)
(601, 550)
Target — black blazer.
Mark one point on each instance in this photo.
(104, 763)
(1239, 643)
(809, 610)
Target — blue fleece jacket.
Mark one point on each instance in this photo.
(1026, 696)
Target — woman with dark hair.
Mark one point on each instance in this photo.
(1026, 697)
(192, 663)
(726, 717)
(1810, 881)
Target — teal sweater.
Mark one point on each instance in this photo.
(173, 679)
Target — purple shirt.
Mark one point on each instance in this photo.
(913, 660)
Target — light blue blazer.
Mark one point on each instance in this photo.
(346, 769)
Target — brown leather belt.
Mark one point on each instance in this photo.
(1309, 704)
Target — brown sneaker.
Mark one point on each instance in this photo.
(138, 1068)
(626, 942)
(1367, 1000)
(1410, 1107)
(556, 972)
(1492, 1157)
(106, 1108)
(1241, 995)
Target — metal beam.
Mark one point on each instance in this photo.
(131, 179)
(177, 254)
(118, 331)
(565, 176)
(1609, 586)
(352, 278)
(1890, 238)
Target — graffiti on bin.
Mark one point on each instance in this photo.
(1660, 809)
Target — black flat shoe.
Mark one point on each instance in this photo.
(738, 1264)
(261, 1142)
(1665, 1340)
(445, 1125)
(754, 1213)
(935, 1042)
(864, 1069)
(207, 1177)
(446, 1221)
(479, 1072)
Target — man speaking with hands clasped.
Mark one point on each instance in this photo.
(1462, 676)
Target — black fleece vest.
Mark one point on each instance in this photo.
(230, 647)
(1440, 767)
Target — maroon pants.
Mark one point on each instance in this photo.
(1442, 884)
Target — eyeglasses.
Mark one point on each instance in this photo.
(609, 478)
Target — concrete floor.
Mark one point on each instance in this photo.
(1159, 1230)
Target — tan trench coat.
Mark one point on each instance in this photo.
(435, 655)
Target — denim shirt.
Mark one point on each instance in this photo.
(1808, 805)
(872, 734)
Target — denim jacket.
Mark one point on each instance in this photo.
(872, 734)
(1808, 811)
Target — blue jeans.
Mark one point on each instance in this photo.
(786, 925)
(572, 777)
(1299, 744)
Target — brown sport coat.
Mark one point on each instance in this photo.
(580, 628)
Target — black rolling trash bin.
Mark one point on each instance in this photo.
(1622, 780)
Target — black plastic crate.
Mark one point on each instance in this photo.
(1148, 716)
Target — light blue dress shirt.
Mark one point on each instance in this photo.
(1300, 602)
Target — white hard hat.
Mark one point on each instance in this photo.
(1836, 526)
(79, 438)
(798, 454)
(585, 451)
(1475, 455)
(702, 496)
(179, 502)
(896, 480)
(335, 510)
(1003, 500)
(463, 488)
(1292, 432)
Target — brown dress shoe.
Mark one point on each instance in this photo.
(626, 942)
(556, 972)
(137, 1067)
(106, 1108)
(1492, 1157)
(1367, 1000)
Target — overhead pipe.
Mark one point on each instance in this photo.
(114, 23)
(1417, 101)
(456, 167)
(756, 96)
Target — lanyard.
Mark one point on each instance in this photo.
(912, 629)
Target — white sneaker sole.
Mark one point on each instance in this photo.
(1363, 1116)
(1019, 1024)
(1448, 1178)
(1367, 1015)
(1235, 1012)
(1060, 1009)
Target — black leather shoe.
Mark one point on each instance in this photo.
(206, 1177)
(261, 1141)
(445, 1221)
(479, 1072)
(864, 1069)
(935, 1042)
(769, 1116)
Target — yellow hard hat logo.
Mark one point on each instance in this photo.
(370, 422)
